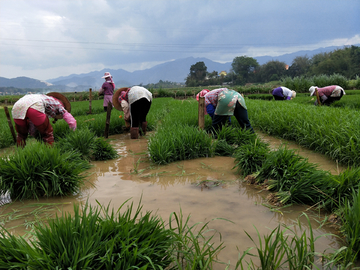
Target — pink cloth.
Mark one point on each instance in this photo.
(36, 117)
(70, 120)
(202, 93)
(327, 91)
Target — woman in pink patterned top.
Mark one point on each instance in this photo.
(328, 94)
(35, 110)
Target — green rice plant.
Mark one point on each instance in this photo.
(87, 144)
(102, 150)
(293, 177)
(39, 170)
(351, 226)
(101, 238)
(342, 187)
(192, 248)
(179, 142)
(284, 249)
(227, 134)
(81, 140)
(222, 148)
(249, 158)
(15, 252)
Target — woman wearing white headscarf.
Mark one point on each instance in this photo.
(328, 94)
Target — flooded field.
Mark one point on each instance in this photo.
(208, 189)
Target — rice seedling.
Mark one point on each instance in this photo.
(249, 158)
(39, 170)
(192, 249)
(101, 238)
(102, 150)
(222, 148)
(342, 187)
(284, 249)
(179, 142)
(293, 177)
(351, 226)
(87, 144)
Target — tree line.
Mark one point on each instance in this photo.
(244, 69)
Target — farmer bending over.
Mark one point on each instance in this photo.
(222, 103)
(33, 111)
(328, 94)
(283, 93)
(135, 102)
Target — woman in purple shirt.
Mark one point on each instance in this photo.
(107, 89)
(283, 93)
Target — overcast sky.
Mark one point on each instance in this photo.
(46, 39)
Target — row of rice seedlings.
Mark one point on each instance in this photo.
(100, 238)
(179, 142)
(350, 227)
(286, 249)
(38, 170)
(303, 83)
(334, 132)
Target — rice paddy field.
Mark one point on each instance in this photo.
(286, 197)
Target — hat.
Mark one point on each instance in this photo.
(115, 98)
(312, 90)
(202, 93)
(107, 74)
(63, 100)
(293, 94)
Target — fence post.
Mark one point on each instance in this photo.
(10, 123)
(90, 99)
(107, 125)
(317, 97)
(201, 112)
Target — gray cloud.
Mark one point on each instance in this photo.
(47, 39)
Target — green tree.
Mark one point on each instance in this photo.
(197, 74)
(272, 71)
(244, 68)
(300, 66)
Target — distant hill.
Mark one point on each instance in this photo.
(23, 82)
(173, 71)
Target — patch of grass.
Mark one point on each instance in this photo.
(41, 171)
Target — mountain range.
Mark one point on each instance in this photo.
(172, 71)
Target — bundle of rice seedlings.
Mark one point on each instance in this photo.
(101, 238)
(249, 158)
(87, 144)
(39, 170)
(179, 142)
(102, 150)
(222, 148)
(293, 177)
(342, 186)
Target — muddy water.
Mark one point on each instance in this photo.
(182, 185)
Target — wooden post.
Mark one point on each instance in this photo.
(201, 112)
(90, 98)
(10, 123)
(107, 125)
(317, 97)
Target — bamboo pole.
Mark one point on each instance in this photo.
(317, 97)
(90, 98)
(107, 125)
(10, 123)
(201, 112)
